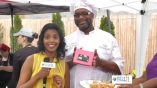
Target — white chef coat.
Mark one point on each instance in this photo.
(107, 49)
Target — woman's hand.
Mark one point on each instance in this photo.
(44, 72)
(58, 80)
(125, 86)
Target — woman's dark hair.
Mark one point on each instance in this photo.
(35, 36)
(61, 47)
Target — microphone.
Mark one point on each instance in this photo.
(46, 59)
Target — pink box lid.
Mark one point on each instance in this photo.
(83, 57)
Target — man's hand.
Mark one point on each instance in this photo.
(96, 60)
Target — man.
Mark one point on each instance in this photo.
(107, 60)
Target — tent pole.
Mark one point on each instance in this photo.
(142, 34)
(12, 29)
(108, 21)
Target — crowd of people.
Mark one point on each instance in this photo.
(23, 69)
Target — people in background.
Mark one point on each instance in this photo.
(149, 77)
(25, 38)
(107, 60)
(52, 46)
(6, 62)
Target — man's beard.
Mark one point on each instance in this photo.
(85, 26)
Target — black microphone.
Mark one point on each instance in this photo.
(46, 59)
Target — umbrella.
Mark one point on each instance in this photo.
(16, 8)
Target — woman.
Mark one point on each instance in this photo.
(51, 45)
(24, 38)
(6, 62)
(149, 77)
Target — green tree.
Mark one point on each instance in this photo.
(16, 28)
(56, 18)
(104, 25)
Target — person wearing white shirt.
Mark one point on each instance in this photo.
(107, 60)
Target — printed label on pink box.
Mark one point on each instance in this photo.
(83, 57)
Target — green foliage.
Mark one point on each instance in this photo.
(104, 25)
(56, 18)
(16, 28)
(1, 33)
(133, 74)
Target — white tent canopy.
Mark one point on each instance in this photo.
(131, 6)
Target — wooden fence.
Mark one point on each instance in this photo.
(125, 30)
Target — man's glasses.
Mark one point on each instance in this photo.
(84, 14)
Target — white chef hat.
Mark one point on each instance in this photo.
(77, 4)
